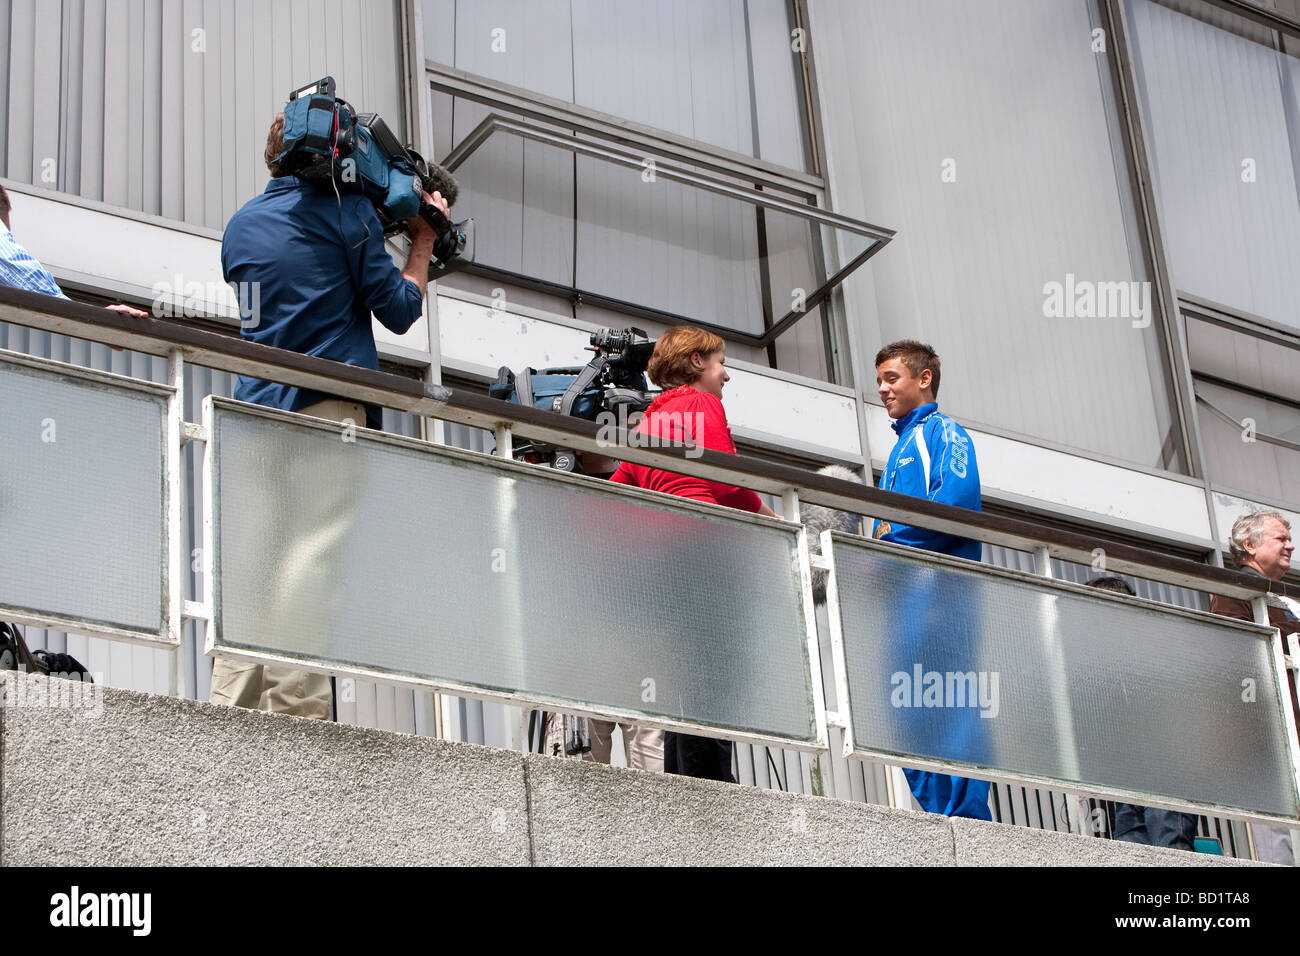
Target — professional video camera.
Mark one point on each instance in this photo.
(611, 387)
(326, 140)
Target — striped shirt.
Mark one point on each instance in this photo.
(20, 270)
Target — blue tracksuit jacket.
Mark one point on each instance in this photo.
(933, 458)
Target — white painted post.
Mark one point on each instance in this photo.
(505, 441)
(175, 519)
(516, 726)
(790, 505)
(1259, 607)
(1076, 804)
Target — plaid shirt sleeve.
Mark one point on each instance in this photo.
(21, 271)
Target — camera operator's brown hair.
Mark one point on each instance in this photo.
(917, 356)
(275, 145)
(670, 365)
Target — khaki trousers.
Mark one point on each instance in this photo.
(282, 690)
(644, 747)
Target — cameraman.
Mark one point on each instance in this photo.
(313, 260)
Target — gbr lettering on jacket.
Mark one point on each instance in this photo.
(960, 448)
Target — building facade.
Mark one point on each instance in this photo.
(1088, 207)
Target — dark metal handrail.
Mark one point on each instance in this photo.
(161, 337)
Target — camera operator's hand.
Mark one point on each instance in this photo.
(417, 224)
(423, 237)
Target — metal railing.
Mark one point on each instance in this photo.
(181, 343)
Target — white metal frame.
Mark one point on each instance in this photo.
(432, 403)
(168, 634)
(214, 646)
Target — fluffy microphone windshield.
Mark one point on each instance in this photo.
(817, 519)
(442, 181)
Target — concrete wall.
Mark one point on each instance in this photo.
(97, 776)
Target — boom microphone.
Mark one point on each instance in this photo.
(441, 180)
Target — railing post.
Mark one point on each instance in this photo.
(822, 760)
(175, 520)
(516, 718)
(505, 440)
(1292, 648)
(1076, 806)
(1043, 561)
(1259, 608)
(790, 504)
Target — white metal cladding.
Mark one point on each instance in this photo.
(82, 505)
(163, 107)
(1049, 683)
(387, 558)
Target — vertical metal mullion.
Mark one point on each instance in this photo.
(1141, 178)
(174, 576)
(209, 534)
(760, 220)
(851, 345)
(1292, 646)
(834, 316)
(823, 758)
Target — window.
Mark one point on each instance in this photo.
(609, 162)
(1224, 136)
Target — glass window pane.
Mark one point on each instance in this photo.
(603, 223)
(1222, 114)
(723, 72)
(987, 134)
(1236, 456)
(669, 246)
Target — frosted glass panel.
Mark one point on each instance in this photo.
(421, 563)
(81, 498)
(1037, 680)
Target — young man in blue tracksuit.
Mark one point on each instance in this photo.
(935, 459)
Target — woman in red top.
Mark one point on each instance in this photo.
(690, 363)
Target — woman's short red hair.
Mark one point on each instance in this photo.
(670, 365)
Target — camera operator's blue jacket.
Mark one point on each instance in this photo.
(320, 268)
(933, 458)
